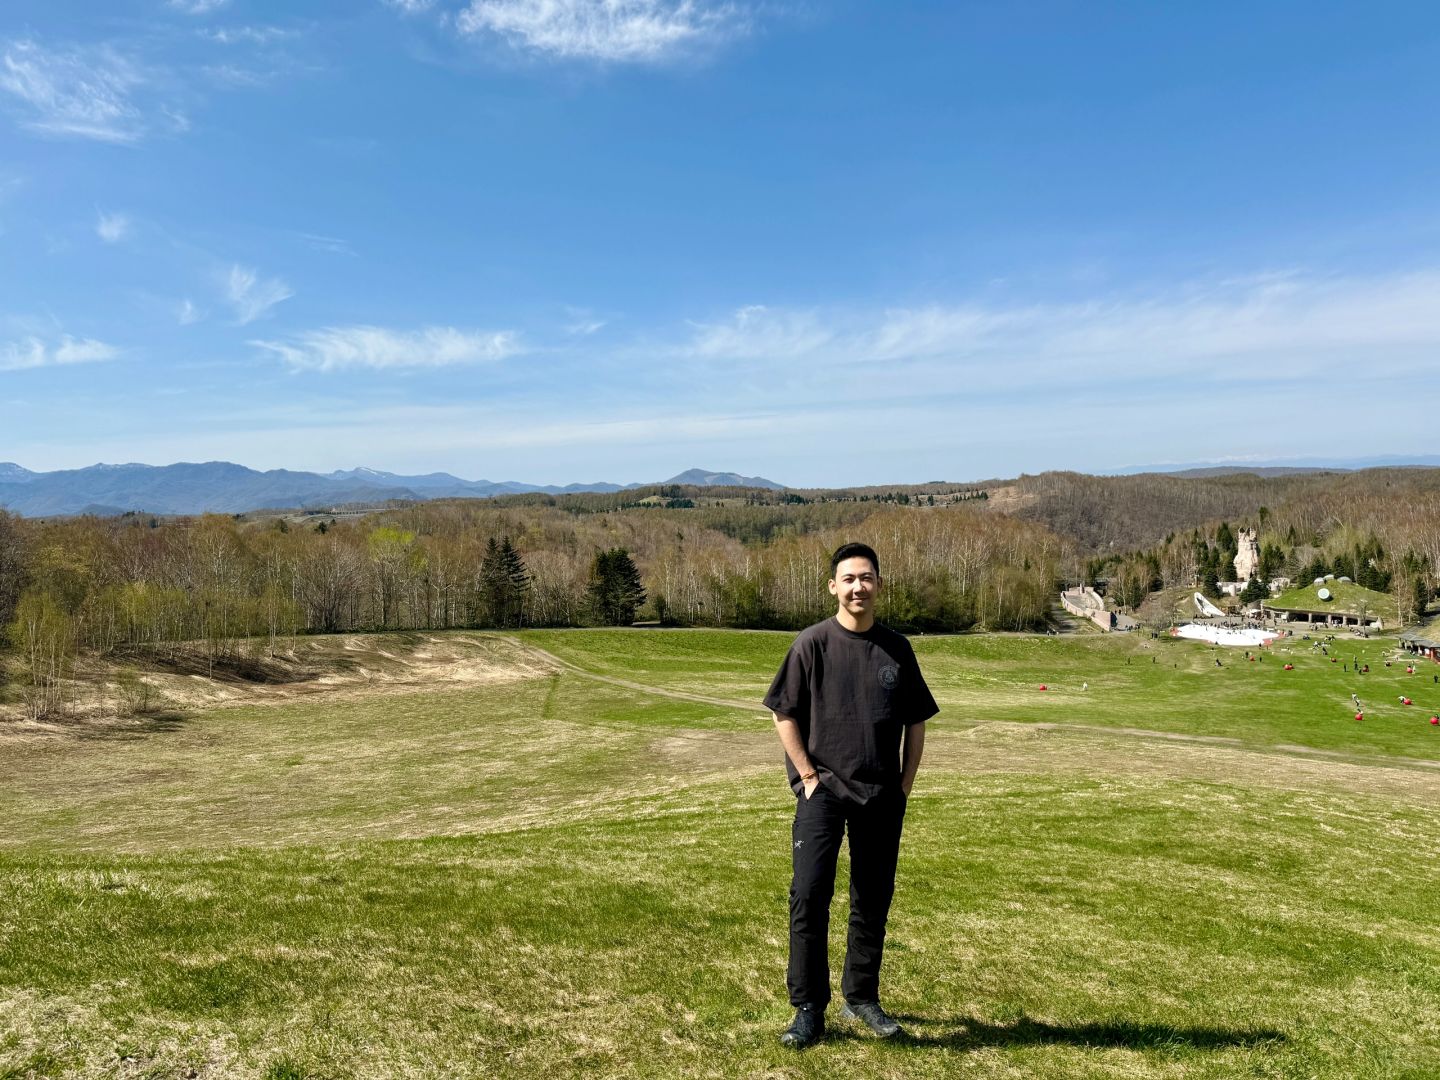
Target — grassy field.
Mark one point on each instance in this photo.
(1110, 680)
(571, 872)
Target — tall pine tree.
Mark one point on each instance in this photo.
(504, 583)
(614, 591)
(1254, 590)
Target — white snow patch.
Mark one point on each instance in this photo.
(1223, 635)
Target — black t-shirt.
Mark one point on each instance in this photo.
(852, 695)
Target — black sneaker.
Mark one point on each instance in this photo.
(806, 1028)
(872, 1016)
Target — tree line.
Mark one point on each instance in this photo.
(222, 585)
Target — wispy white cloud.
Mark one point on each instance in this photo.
(333, 244)
(759, 331)
(82, 93)
(254, 56)
(1289, 326)
(112, 228)
(104, 93)
(37, 352)
(609, 30)
(198, 7)
(252, 296)
(249, 35)
(336, 347)
(583, 322)
(187, 314)
(411, 7)
(238, 76)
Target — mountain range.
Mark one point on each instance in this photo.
(223, 487)
(1283, 466)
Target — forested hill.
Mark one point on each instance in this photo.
(1104, 514)
(1097, 514)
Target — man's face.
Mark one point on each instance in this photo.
(855, 585)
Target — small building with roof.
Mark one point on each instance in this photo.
(1331, 601)
(1421, 645)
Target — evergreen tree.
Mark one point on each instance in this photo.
(1210, 582)
(1272, 561)
(1369, 568)
(614, 591)
(1366, 574)
(1421, 599)
(505, 583)
(1152, 563)
(1254, 590)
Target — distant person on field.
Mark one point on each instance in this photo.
(850, 707)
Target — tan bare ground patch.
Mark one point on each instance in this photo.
(345, 668)
(1008, 499)
(384, 666)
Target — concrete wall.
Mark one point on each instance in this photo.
(1086, 603)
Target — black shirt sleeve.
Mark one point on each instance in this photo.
(790, 691)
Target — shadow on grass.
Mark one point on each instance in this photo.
(138, 726)
(262, 670)
(969, 1034)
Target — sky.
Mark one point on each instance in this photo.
(833, 243)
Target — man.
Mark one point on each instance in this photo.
(850, 707)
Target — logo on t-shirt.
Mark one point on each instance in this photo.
(889, 676)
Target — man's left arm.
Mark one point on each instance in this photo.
(921, 706)
(910, 752)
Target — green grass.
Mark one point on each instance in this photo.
(720, 663)
(1168, 685)
(562, 877)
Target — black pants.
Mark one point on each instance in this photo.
(820, 823)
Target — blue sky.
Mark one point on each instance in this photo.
(827, 243)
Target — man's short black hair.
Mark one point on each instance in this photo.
(854, 551)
